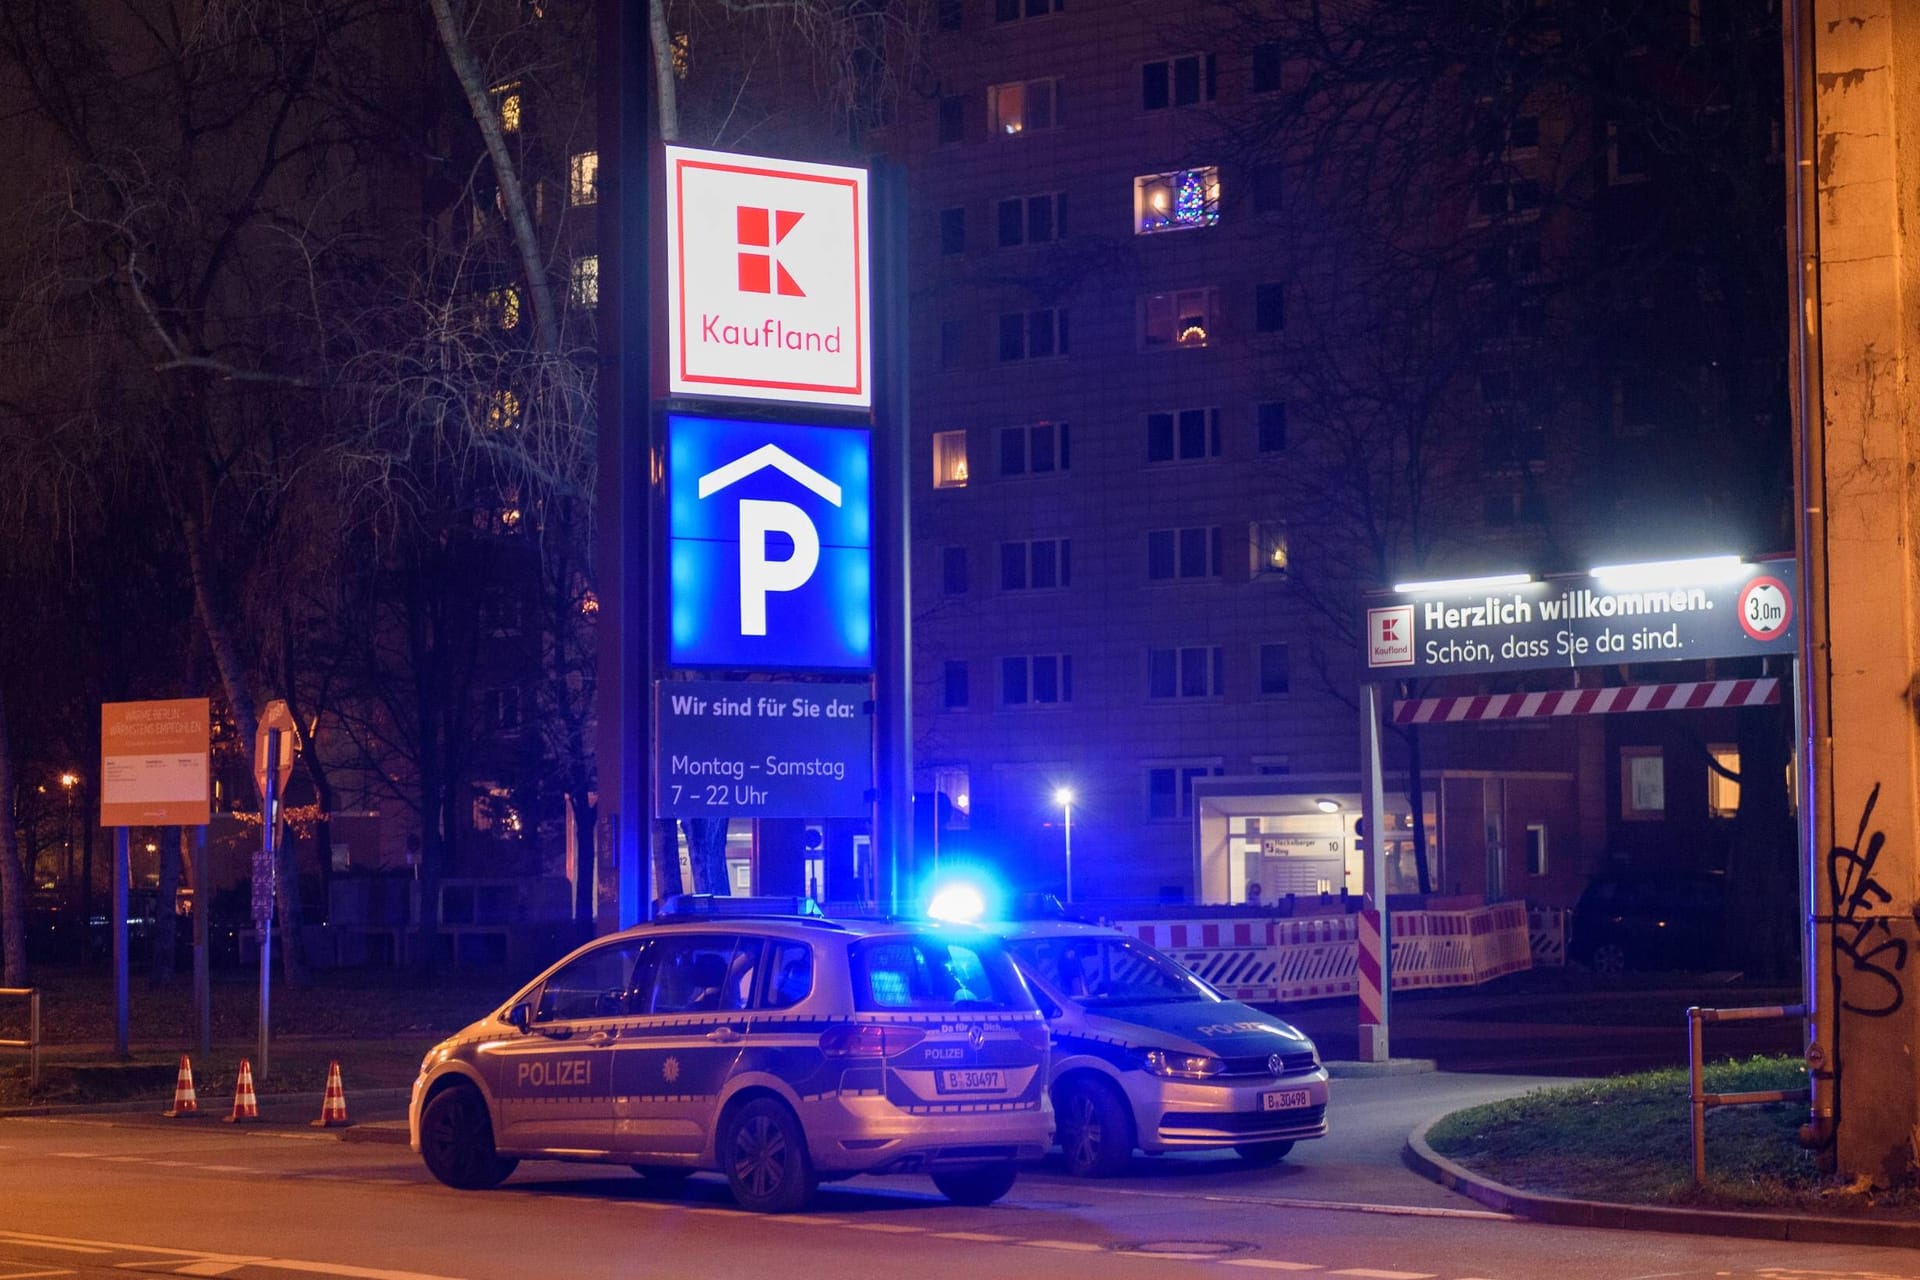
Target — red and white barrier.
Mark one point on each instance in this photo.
(1316, 957)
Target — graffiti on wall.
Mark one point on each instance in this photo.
(1862, 936)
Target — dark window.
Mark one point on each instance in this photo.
(1013, 336)
(1155, 87)
(1160, 561)
(953, 570)
(1273, 668)
(1013, 681)
(1159, 437)
(1163, 798)
(933, 973)
(952, 14)
(790, 970)
(1013, 566)
(1039, 334)
(1272, 420)
(1013, 452)
(953, 119)
(1267, 183)
(1011, 224)
(1269, 308)
(1039, 219)
(1161, 667)
(1046, 680)
(1267, 64)
(953, 343)
(953, 231)
(954, 680)
(1006, 10)
(1195, 545)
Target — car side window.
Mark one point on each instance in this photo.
(594, 985)
(790, 971)
(702, 973)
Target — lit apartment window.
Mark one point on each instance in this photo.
(503, 307)
(1176, 82)
(1193, 553)
(1040, 565)
(583, 286)
(950, 460)
(1038, 219)
(953, 231)
(1033, 335)
(1275, 677)
(502, 411)
(1024, 106)
(1723, 792)
(954, 693)
(953, 571)
(1177, 201)
(1183, 435)
(1195, 671)
(1014, 10)
(506, 105)
(583, 178)
(1170, 786)
(1033, 450)
(1182, 319)
(1270, 554)
(1042, 680)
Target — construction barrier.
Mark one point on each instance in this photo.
(1547, 936)
(1317, 957)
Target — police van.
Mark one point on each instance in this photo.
(779, 1049)
(1148, 1056)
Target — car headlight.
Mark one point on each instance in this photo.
(1180, 1066)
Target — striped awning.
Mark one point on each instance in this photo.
(1589, 702)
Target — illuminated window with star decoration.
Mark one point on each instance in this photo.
(1177, 201)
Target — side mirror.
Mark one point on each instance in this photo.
(520, 1017)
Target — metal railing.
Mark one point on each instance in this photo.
(1697, 1018)
(32, 1043)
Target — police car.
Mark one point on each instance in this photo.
(779, 1049)
(1146, 1055)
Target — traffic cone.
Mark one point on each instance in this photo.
(185, 1102)
(333, 1105)
(245, 1105)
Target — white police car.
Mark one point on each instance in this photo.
(781, 1050)
(1146, 1055)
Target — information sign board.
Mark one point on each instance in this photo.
(153, 763)
(762, 749)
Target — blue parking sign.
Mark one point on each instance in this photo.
(770, 545)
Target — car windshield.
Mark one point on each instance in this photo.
(1108, 970)
(927, 972)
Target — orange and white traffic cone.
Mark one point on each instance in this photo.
(185, 1102)
(245, 1105)
(333, 1105)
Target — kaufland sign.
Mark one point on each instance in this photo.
(767, 278)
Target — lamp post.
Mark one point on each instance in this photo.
(68, 781)
(1063, 796)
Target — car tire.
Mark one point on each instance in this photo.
(982, 1184)
(1262, 1154)
(663, 1179)
(764, 1154)
(1096, 1128)
(1608, 957)
(456, 1141)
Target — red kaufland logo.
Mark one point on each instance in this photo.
(1390, 636)
(765, 229)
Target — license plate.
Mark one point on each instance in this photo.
(971, 1081)
(1285, 1100)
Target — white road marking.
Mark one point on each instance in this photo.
(31, 1275)
(75, 1155)
(718, 1213)
(65, 1248)
(340, 1269)
(815, 1222)
(225, 1168)
(1268, 1264)
(126, 1159)
(237, 1259)
(1067, 1246)
(887, 1228)
(977, 1237)
(1334, 1206)
(1385, 1275)
(208, 1268)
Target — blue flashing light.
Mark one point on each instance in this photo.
(957, 903)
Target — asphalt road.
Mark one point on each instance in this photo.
(94, 1196)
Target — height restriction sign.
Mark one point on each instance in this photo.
(767, 279)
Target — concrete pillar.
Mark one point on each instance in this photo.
(1854, 68)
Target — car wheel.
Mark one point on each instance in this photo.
(1096, 1129)
(456, 1141)
(982, 1184)
(1608, 957)
(1263, 1153)
(662, 1179)
(764, 1153)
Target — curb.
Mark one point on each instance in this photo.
(1428, 1163)
(1374, 1070)
(381, 1132)
(139, 1106)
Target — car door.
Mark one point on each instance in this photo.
(553, 1084)
(681, 1041)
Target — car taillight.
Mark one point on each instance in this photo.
(1036, 1036)
(867, 1041)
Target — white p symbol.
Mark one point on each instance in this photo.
(760, 517)
(759, 575)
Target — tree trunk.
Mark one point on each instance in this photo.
(707, 851)
(13, 879)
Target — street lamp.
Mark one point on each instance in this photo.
(1063, 796)
(68, 781)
